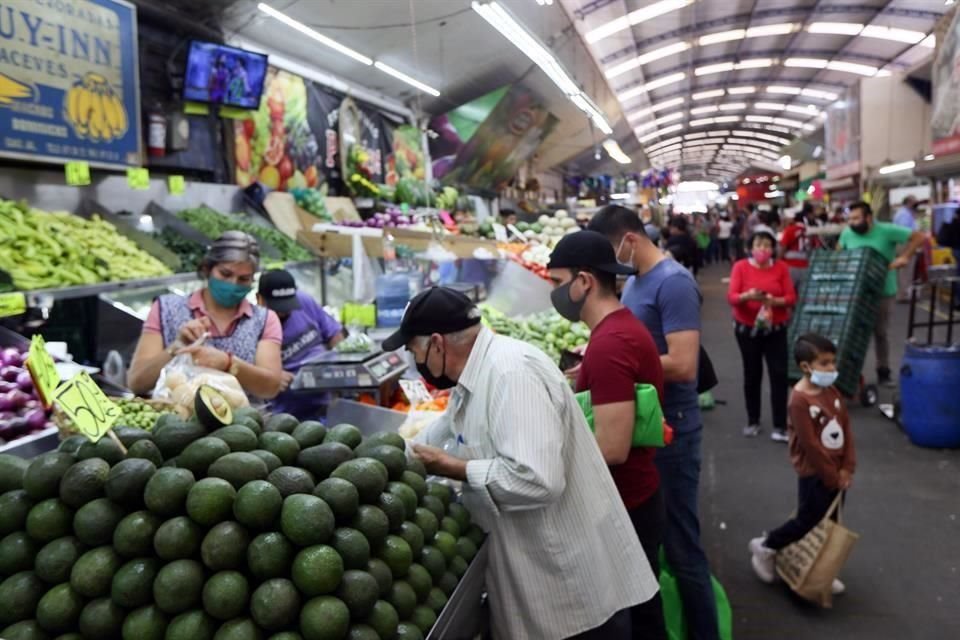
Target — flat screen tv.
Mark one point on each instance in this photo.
(219, 74)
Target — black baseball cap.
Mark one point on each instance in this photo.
(587, 250)
(279, 291)
(435, 310)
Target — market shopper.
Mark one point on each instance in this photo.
(883, 237)
(621, 354)
(724, 234)
(238, 338)
(821, 450)
(564, 561)
(762, 294)
(906, 217)
(308, 333)
(795, 246)
(665, 298)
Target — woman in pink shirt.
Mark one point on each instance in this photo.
(241, 339)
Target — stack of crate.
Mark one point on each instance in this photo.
(839, 300)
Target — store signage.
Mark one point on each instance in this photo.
(842, 133)
(177, 185)
(138, 179)
(77, 173)
(84, 402)
(69, 81)
(42, 369)
(946, 91)
(12, 304)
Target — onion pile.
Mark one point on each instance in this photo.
(20, 410)
(392, 218)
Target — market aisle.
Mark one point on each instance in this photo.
(904, 575)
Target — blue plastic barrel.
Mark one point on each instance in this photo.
(930, 396)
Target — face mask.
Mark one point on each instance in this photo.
(861, 228)
(227, 294)
(565, 305)
(629, 261)
(823, 379)
(761, 256)
(441, 381)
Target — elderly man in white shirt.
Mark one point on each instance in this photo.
(564, 559)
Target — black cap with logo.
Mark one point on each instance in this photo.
(435, 310)
(279, 291)
(587, 250)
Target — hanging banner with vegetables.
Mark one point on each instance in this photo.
(69, 81)
(407, 159)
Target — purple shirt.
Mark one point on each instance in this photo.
(306, 333)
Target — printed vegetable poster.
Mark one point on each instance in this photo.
(276, 145)
(69, 81)
(407, 159)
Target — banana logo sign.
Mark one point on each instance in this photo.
(94, 110)
(11, 90)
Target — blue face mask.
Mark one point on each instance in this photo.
(227, 294)
(824, 379)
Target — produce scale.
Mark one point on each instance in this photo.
(374, 371)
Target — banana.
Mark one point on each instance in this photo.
(83, 111)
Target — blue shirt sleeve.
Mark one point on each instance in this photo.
(679, 302)
(327, 325)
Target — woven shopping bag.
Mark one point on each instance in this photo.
(810, 564)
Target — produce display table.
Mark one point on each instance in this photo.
(466, 615)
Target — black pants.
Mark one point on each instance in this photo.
(813, 500)
(616, 628)
(772, 346)
(650, 519)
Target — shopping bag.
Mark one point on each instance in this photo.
(673, 618)
(810, 565)
(649, 427)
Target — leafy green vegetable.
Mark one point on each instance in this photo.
(213, 224)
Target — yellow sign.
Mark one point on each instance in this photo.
(78, 174)
(138, 179)
(177, 185)
(364, 315)
(85, 403)
(42, 370)
(12, 304)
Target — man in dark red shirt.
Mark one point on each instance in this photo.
(621, 354)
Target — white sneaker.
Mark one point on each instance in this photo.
(762, 559)
(751, 431)
(779, 435)
(838, 588)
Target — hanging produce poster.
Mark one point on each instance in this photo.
(407, 160)
(945, 120)
(512, 132)
(842, 133)
(69, 81)
(451, 131)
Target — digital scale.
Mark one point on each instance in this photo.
(372, 372)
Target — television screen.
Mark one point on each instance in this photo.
(224, 75)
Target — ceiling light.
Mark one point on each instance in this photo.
(900, 166)
(614, 151)
(695, 136)
(755, 63)
(808, 110)
(660, 132)
(661, 120)
(759, 119)
(583, 103)
(929, 42)
(702, 122)
(666, 142)
(836, 28)
(770, 106)
(892, 33)
(650, 86)
(650, 56)
(852, 67)
(702, 110)
(793, 91)
(788, 122)
(721, 36)
(816, 93)
(656, 107)
(736, 91)
(713, 68)
(807, 63)
(733, 106)
(713, 93)
(771, 30)
(634, 18)
(399, 75)
(310, 33)
(761, 136)
(723, 119)
(929, 157)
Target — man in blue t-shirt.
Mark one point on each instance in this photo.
(665, 297)
(308, 332)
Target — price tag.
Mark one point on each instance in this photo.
(86, 404)
(12, 304)
(77, 173)
(499, 232)
(364, 315)
(138, 179)
(415, 391)
(446, 219)
(42, 370)
(177, 185)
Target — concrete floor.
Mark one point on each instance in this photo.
(903, 578)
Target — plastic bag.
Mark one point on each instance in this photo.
(762, 323)
(181, 378)
(356, 341)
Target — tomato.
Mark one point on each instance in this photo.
(249, 128)
(311, 176)
(285, 167)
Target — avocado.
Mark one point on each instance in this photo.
(193, 625)
(269, 556)
(174, 436)
(225, 595)
(177, 538)
(166, 492)
(382, 573)
(368, 475)
(275, 604)
(101, 618)
(394, 459)
(41, 480)
(14, 507)
(309, 433)
(146, 623)
(384, 619)
(248, 413)
(210, 501)
(84, 481)
(12, 469)
(352, 546)
(322, 459)
(306, 519)
(56, 559)
(94, 522)
(385, 437)
(70, 444)
(146, 450)
(104, 448)
(200, 454)
(134, 535)
(291, 480)
(238, 438)
(280, 444)
(268, 458)
(371, 522)
(283, 422)
(324, 617)
(258, 505)
(127, 480)
(359, 591)
(17, 552)
(406, 495)
(132, 586)
(20, 594)
(238, 468)
(225, 546)
(238, 629)
(49, 520)
(212, 409)
(59, 609)
(414, 537)
(92, 574)
(392, 505)
(346, 434)
(341, 496)
(129, 435)
(178, 586)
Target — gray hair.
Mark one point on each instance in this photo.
(231, 246)
(457, 337)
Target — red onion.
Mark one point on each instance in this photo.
(10, 373)
(11, 356)
(36, 419)
(7, 387)
(24, 381)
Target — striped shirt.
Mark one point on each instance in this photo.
(564, 556)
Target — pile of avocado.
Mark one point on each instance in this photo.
(228, 526)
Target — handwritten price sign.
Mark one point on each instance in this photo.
(138, 179)
(42, 370)
(177, 185)
(85, 403)
(77, 173)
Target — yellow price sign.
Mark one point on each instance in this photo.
(12, 304)
(77, 173)
(42, 369)
(364, 315)
(176, 185)
(87, 405)
(138, 179)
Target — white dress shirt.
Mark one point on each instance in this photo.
(564, 556)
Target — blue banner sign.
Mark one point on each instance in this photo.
(69, 81)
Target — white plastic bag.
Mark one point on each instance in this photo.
(181, 378)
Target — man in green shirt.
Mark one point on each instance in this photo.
(883, 237)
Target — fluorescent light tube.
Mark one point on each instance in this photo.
(771, 30)
(650, 86)
(614, 151)
(892, 33)
(895, 168)
(770, 106)
(660, 132)
(650, 56)
(310, 33)
(733, 106)
(736, 91)
(399, 75)
(634, 18)
(817, 93)
(704, 95)
(655, 107)
(806, 63)
(713, 68)
(698, 111)
(852, 67)
(836, 28)
(721, 36)
(793, 91)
